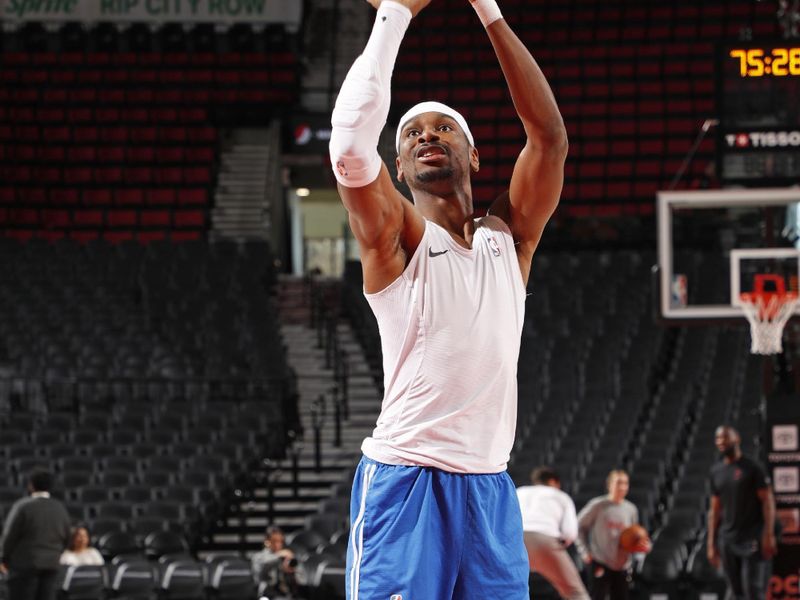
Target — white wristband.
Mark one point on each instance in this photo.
(488, 11)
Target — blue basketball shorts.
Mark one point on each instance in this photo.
(419, 533)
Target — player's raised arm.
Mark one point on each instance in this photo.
(385, 224)
(539, 172)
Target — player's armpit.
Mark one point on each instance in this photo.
(387, 227)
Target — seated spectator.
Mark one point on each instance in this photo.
(275, 564)
(79, 552)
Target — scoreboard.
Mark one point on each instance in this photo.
(758, 103)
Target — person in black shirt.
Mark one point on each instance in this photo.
(36, 532)
(741, 519)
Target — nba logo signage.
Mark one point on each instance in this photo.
(783, 416)
(784, 438)
(679, 291)
(786, 479)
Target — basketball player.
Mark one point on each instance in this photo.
(434, 513)
(599, 524)
(550, 526)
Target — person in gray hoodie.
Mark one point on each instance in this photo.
(600, 523)
(35, 534)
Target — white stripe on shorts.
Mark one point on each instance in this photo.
(357, 533)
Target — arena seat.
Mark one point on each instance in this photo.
(81, 583)
(230, 579)
(181, 579)
(131, 578)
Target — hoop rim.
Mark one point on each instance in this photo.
(753, 297)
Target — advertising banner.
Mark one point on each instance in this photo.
(783, 442)
(286, 12)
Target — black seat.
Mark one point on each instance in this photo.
(159, 543)
(81, 583)
(231, 579)
(114, 543)
(132, 579)
(304, 541)
(181, 580)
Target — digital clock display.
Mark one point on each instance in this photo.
(767, 62)
(758, 106)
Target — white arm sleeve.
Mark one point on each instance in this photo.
(363, 103)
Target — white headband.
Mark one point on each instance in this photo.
(424, 107)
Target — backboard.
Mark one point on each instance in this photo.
(712, 243)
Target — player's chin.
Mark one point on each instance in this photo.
(431, 174)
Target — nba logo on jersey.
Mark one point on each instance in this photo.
(396, 597)
(495, 248)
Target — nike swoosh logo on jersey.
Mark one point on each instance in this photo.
(433, 254)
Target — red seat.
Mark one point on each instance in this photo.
(142, 154)
(169, 175)
(51, 153)
(189, 218)
(129, 196)
(144, 134)
(97, 197)
(56, 218)
(121, 218)
(111, 154)
(138, 175)
(173, 134)
(114, 134)
(107, 115)
(161, 196)
(197, 175)
(56, 134)
(65, 196)
(155, 218)
(165, 115)
(170, 154)
(108, 175)
(86, 134)
(150, 236)
(48, 175)
(27, 196)
(85, 217)
(78, 175)
(83, 237)
(192, 196)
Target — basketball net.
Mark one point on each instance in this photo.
(768, 312)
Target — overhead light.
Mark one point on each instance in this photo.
(303, 192)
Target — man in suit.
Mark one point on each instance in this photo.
(35, 534)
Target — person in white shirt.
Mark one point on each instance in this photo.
(79, 553)
(550, 525)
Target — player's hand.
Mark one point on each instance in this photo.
(413, 5)
(713, 556)
(644, 546)
(769, 546)
(587, 559)
(3, 568)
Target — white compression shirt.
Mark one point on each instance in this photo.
(450, 330)
(549, 511)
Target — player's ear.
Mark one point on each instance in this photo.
(474, 159)
(399, 169)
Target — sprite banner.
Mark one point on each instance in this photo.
(286, 12)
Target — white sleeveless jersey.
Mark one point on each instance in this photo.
(450, 330)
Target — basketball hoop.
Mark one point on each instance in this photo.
(768, 312)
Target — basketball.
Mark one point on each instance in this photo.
(631, 537)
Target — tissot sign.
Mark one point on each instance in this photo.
(288, 12)
(763, 139)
